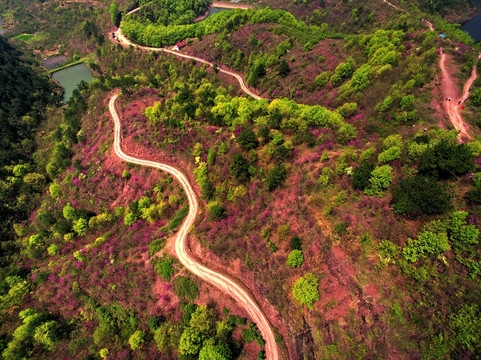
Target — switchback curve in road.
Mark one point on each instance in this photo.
(220, 281)
(123, 40)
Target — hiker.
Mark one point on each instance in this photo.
(462, 107)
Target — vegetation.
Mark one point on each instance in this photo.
(339, 179)
(305, 290)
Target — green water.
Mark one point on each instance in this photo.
(216, 10)
(70, 77)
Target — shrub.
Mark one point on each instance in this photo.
(305, 290)
(155, 246)
(462, 236)
(283, 68)
(295, 258)
(178, 218)
(276, 176)
(47, 334)
(203, 319)
(163, 267)
(184, 287)
(217, 210)
(388, 250)
(154, 212)
(474, 194)
(125, 175)
(466, 327)
(322, 79)
(420, 195)
(341, 228)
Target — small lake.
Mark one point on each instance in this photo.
(1, 31)
(70, 77)
(473, 27)
(54, 61)
(216, 10)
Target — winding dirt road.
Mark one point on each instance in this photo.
(220, 281)
(126, 42)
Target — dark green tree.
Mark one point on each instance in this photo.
(247, 139)
(239, 167)
(420, 195)
(283, 68)
(276, 176)
(446, 160)
(362, 174)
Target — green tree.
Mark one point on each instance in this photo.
(295, 258)
(239, 167)
(362, 174)
(136, 339)
(420, 195)
(215, 352)
(390, 154)
(190, 342)
(55, 190)
(69, 212)
(380, 180)
(466, 326)
(305, 290)
(81, 226)
(276, 176)
(47, 334)
(203, 320)
(283, 68)
(295, 243)
(114, 13)
(247, 139)
(462, 236)
(446, 160)
(427, 243)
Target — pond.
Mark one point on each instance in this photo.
(70, 77)
(54, 61)
(216, 10)
(1, 31)
(473, 27)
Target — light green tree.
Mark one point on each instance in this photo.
(136, 339)
(305, 290)
(295, 258)
(190, 341)
(380, 180)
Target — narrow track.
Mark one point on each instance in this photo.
(124, 41)
(226, 285)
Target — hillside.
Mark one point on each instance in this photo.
(341, 200)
